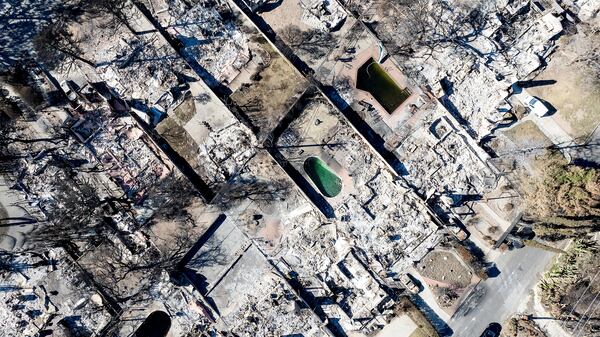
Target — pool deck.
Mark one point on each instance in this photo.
(401, 113)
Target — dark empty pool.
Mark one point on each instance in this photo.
(371, 77)
(328, 183)
(157, 324)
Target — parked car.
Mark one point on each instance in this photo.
(493, 330)
(537, 107)
(533, 104)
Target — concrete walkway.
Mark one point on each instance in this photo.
(557, 135)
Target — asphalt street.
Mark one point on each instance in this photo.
(496, 299)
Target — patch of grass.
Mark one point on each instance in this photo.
(575, 95)
(527, 135)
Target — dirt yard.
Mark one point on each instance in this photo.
(272, 93)
(179, 140)
(520, 148)
(445, 267)
(575, 95)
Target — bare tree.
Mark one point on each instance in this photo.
(115, 9)
(129, 275)
(427, 25)
(314, 42)
(75, 216)
(261, 191)
(55, 44)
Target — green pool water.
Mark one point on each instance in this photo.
(328, 183)
(371, 77)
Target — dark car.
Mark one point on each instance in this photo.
(493, 330)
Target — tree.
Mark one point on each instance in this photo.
(115, 9)
(55, 45)
(314, 42)
(128, 273)
(18, 141)
(257, 190)
(563, 190)
(428, 25)
(563, 200)
(75, 215)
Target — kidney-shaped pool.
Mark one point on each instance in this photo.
(328, 183)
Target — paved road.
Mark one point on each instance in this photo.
(498, 298)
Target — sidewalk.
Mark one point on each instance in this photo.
(551, 326)
(553, 131)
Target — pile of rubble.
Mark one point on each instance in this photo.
(48, 293)
(322, 14)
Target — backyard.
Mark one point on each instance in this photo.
(575, 93)
(273, 90)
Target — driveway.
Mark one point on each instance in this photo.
(499, 298)
(14, 223)
(553, 131)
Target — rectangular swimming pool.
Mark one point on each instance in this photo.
(371, 77)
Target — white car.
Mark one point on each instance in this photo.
(534, 104)
(537, 107)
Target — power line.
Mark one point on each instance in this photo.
(586, 311)
(582, 294)
(588, 319)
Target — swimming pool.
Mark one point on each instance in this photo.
(371, 77)
(328, 183)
